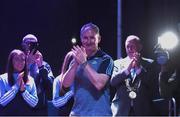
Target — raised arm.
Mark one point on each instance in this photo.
(99, 78)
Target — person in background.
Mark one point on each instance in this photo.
(133, 78)
(40, 71)
(89, 74)
(62, 99)
(169, 79)
(17, 89)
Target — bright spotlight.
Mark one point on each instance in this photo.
(73, 41)
(168, 40)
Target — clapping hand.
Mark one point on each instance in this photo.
(21, 82)
(136, 59)
(38, 59)
(30, 58)
(79, 54)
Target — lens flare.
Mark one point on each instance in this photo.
(168, 40)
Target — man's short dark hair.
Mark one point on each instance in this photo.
(90, 25)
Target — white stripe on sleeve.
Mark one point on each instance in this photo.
(32, 100)
(62, 100)
(9, 96)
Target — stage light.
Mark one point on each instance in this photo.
(168, 40)
(73, 41)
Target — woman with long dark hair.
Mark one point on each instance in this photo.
(17, 89)
(61, 97)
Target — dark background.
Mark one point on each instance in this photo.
(55, 22)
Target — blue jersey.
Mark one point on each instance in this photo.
(14, 102)
(87, 99)
(59, 101)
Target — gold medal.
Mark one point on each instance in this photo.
(132, 94)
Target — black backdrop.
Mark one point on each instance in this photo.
(55, 22)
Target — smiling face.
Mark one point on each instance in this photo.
(18, 61)
(132, 46)
(90, 40)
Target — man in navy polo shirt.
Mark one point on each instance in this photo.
(89, 74)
